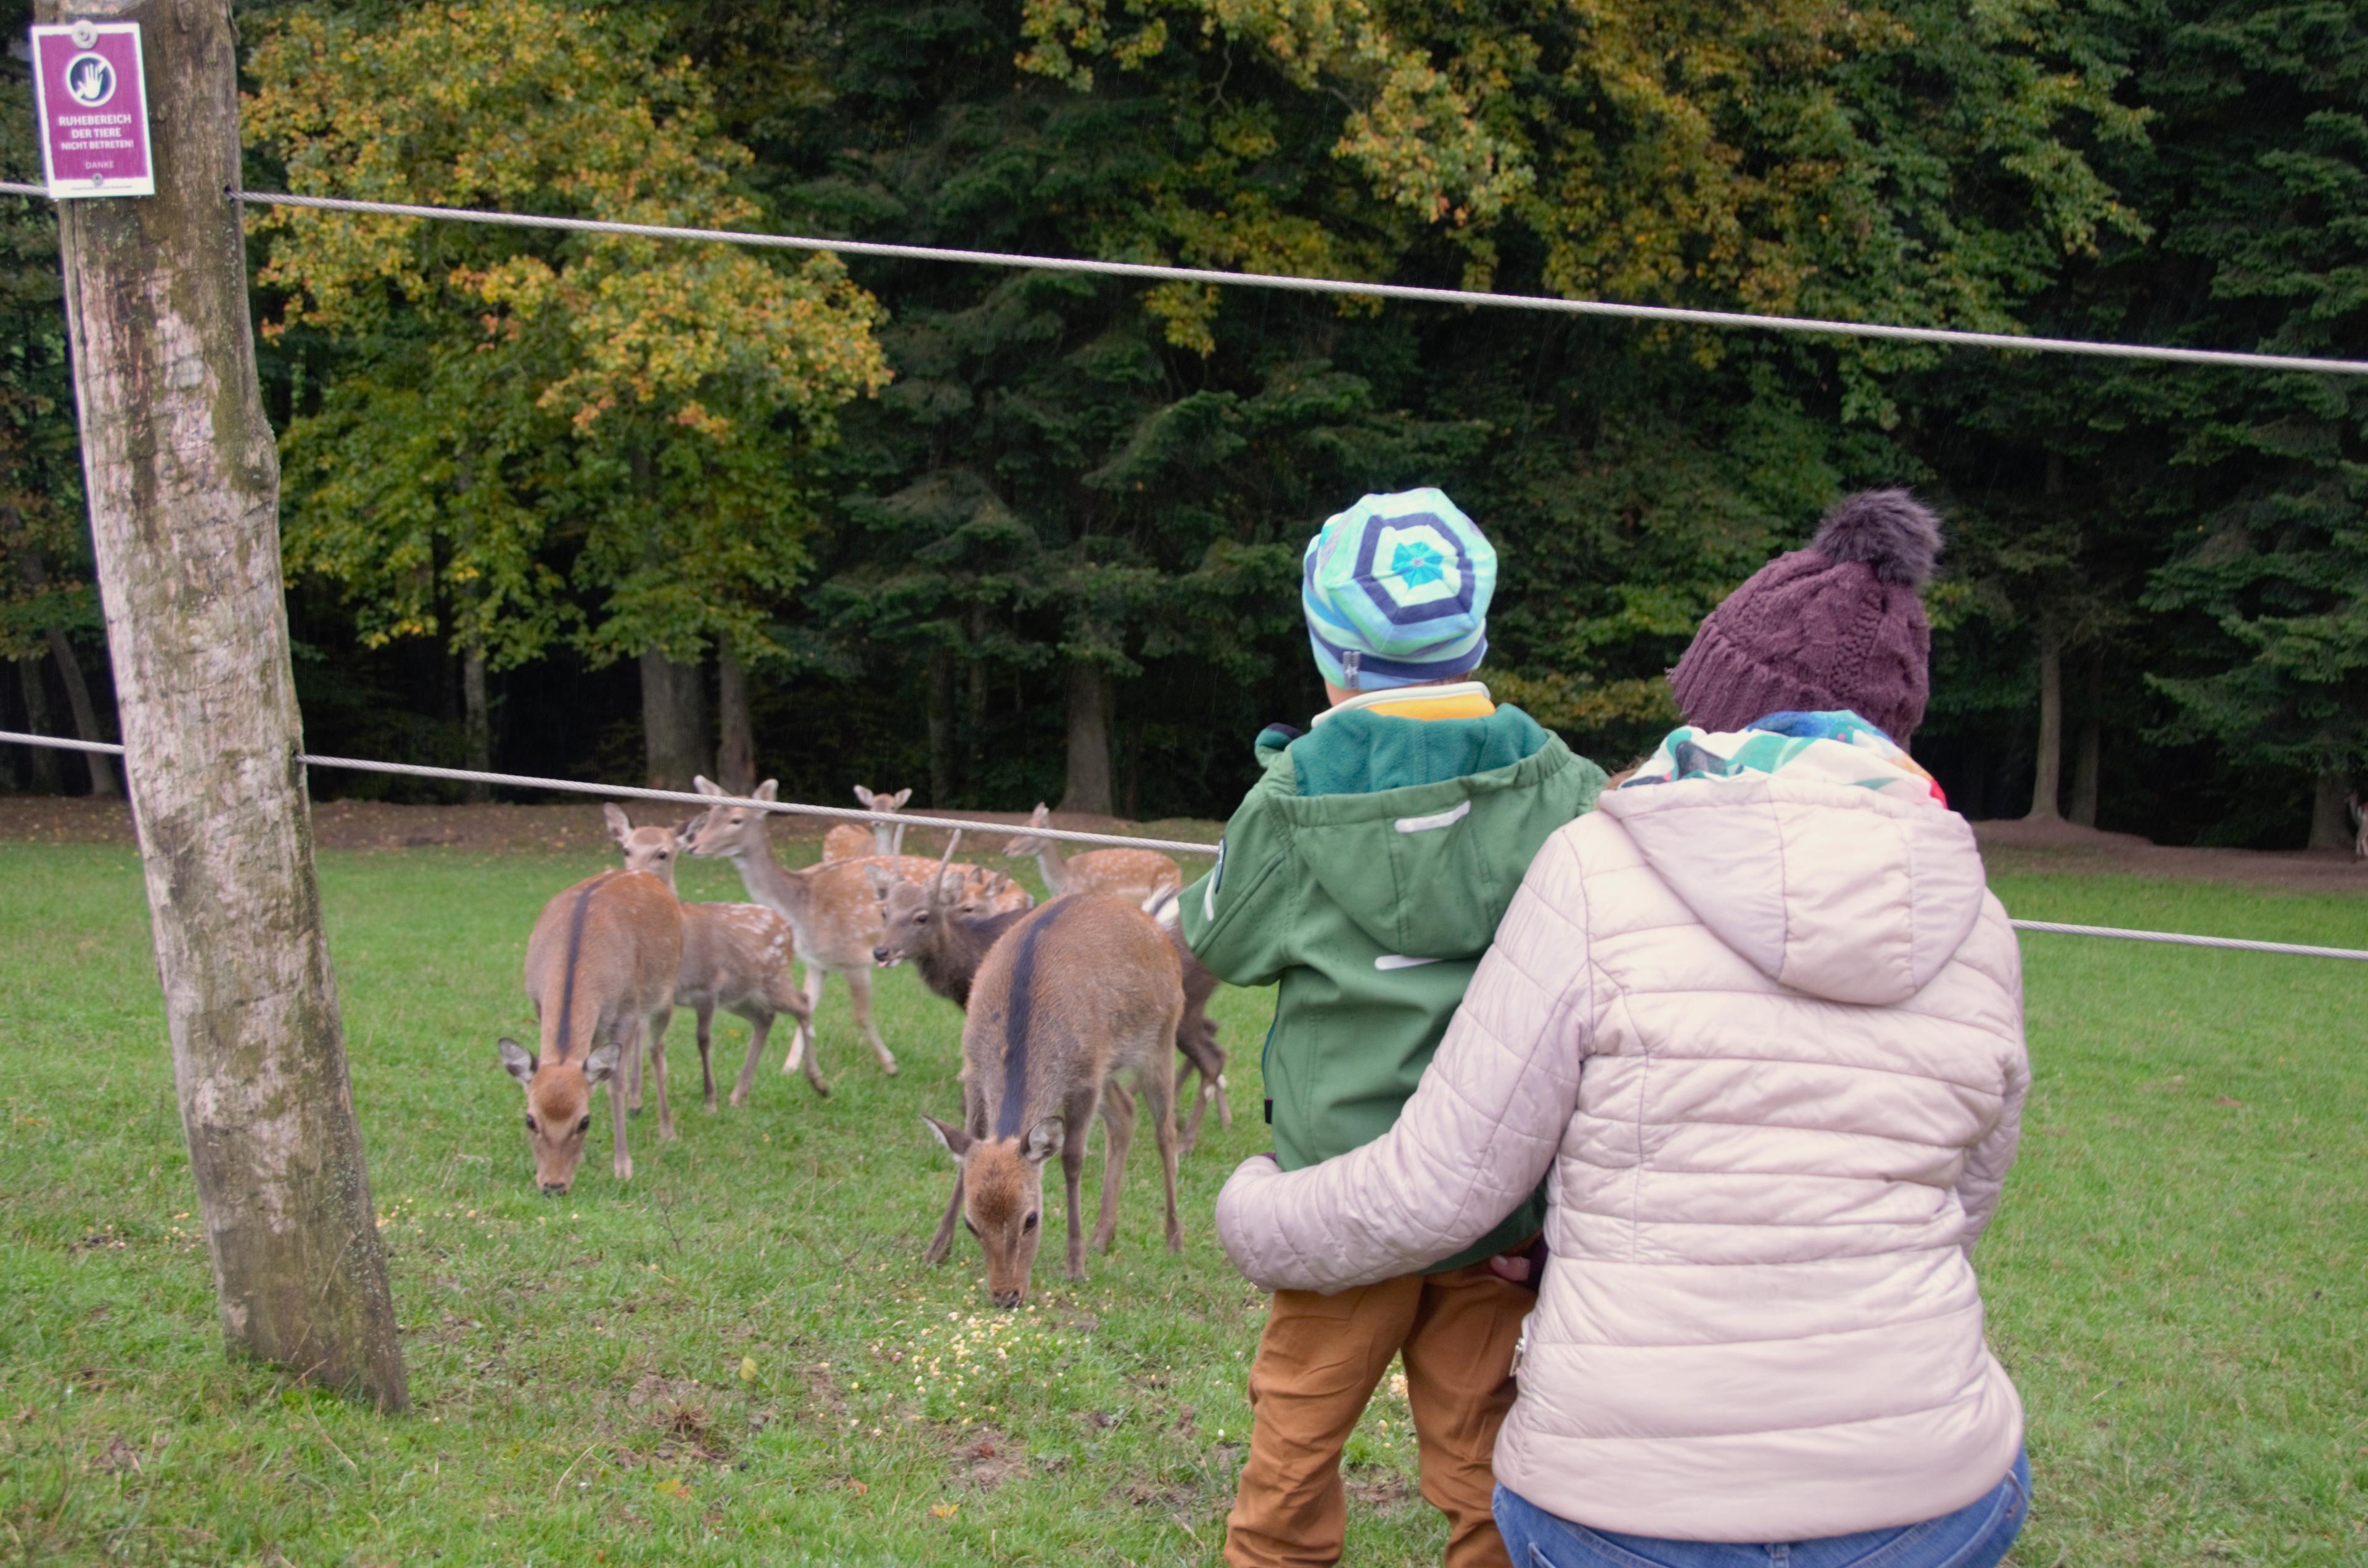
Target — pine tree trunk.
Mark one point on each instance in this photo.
(735, 748)
(2047, 781)
(44, 761)
(184, 484)
(1088, 786)
(2330, 814)
(2089, 755)
(476, 722)
(674, 722)
(941, 728)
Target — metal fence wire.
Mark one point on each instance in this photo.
(1066, 835)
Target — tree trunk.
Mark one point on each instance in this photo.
(2331, 814)
(735, 746)
(44, 761)
(674, 720)
(1088, 786)
(941, 728)
(974, 714)
(2089, 755)
(184, 486)
(85, 714)
(476, 722)
(2047, 783)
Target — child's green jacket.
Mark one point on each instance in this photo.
(1367, 872)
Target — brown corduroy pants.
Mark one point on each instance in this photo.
(1317, 1366)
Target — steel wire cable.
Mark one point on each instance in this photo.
(1725, 320)
(1072, 835)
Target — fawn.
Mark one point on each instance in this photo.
(830, 907)
(600, 969)
(734, 956)
(938, 924)
(1077, 992)
(1136, 875)
(854, 840)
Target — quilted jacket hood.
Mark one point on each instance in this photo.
(1838, 892)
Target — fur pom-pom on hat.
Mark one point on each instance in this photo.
(1889, 531)
(1835, 626)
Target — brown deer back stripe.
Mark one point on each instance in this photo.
(575, 950)
(1018, 1009)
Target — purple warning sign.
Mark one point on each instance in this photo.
(92, 100)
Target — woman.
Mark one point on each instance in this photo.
(1759, 1019)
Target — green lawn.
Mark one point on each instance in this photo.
(741, 1359)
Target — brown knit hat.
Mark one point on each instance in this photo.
(1835, 626)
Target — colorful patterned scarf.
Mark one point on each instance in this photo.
(1840, 748)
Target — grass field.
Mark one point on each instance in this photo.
(740, 1358)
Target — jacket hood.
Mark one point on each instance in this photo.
(1840, 892)
(1420, 830)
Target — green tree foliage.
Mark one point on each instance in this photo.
(528, 436)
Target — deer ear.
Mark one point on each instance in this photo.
(897, 801)
(518, 1060)
(601, 1065)
(687, 828)
(1044, 1140)
(704, 785)
(765, 790)
(881, 881)
(1041, 816)
(618, 824)
(863, 797)
(956, 1141)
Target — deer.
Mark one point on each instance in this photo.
(830, 906)
(1078, 992)
(1136, 875)
(942, 929)
(734, 956)
(2359, 827)
(854, 840)
(600, 969)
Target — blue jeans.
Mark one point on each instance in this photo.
(1976, 1536)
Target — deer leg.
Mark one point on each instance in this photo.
(1159, 1099)
(798, 1043)
(633, 1068)
(622, 1156)
(1118, 1132)
(859, 991)
(760, 1024)
(706, 1017)
(656, 1033)
(945, 1237)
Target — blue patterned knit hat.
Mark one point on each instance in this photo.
(1397, 592)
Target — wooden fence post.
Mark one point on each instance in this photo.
(184, 483)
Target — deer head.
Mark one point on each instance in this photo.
(649, 848)
(731, 831)
(558, 1108)
(1003, 1199)
(1028, 843)
(909, 911)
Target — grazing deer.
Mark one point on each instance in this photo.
(854, 840)
(937, 925)
(830, 907)
(1076, 992)
(600, 969)
(1136, 875)
(734, 956)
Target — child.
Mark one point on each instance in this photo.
(1366, 873)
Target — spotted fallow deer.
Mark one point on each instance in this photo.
(1139, 876)
(830, 907)
(1077, 992)
(600, 969)
(734, 956)
(938, 924)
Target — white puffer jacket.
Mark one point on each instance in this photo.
(1767, 1035)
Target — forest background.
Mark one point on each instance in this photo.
(598, 507)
